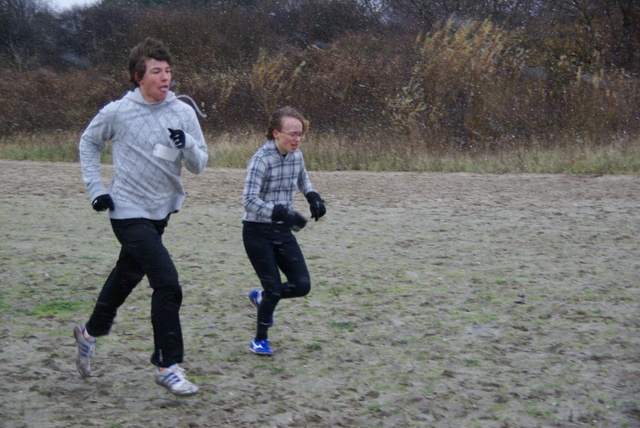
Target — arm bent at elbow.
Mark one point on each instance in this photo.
(195, 154)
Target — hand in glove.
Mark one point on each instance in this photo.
(178, 138)
(103, 203)
(316, 204)
(290, 218)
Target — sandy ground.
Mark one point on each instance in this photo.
(438, 300)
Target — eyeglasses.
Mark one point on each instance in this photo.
(293, 134)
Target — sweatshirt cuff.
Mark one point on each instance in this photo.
(96, 189)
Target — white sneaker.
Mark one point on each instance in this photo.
(174, 379)
(86, 348)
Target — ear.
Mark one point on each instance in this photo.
(136, 76)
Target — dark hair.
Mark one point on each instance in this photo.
(277, 119)
(150, 48)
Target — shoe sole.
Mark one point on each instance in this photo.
(179, 394)
(261, 352)
(186, 394)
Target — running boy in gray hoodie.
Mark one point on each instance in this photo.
(152, 134)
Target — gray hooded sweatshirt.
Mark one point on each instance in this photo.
(147, 166)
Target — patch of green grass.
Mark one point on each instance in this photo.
(428, 389)
(313, 347)
(55, 308)
(343, 325)
(538, 413)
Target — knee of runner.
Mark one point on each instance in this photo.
(300, 288)
(128, 280)
(170, 294)
(303, 288)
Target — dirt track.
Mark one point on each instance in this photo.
(437, 300)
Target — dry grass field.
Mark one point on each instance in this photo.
(438, 300)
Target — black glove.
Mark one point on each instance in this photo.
(102, 203)
(178, 138)
(290, 218)
(316, 204)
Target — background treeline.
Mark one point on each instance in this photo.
(446, 74)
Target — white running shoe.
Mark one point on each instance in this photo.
(86, 348)
(174, 379)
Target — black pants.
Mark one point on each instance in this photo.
(273, 248)
(143, 253)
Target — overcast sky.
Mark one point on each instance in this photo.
(66, 4)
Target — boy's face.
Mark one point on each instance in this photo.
(154, 85)
(288, 138)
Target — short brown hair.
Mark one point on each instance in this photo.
(149, 48)
(275, 123)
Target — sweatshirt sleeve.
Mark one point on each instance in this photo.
(304, 183)
(195, 150)
(251, 200)
(92, 143)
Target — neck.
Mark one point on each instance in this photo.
(281, 149)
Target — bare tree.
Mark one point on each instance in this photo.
(25, 32)
(610, 26)
(509, 13)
